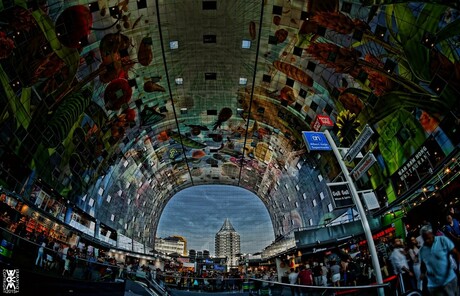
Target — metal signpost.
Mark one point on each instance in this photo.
(354, 194)
(359, 143)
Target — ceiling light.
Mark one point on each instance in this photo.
(174, 44)
(243, 81)
(447, 170)
(179, 80)
(246, 44)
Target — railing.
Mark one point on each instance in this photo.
(20, 253)
(178, 286)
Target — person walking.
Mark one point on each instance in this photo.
(335, 274)
(400, 265)
(436, 264)
(305, 278)
(325, 272)
(41, 251)
(293, 277)
(413, 254)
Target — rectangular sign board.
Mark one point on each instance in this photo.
(364, 165)
(359, 143)
(316, 141)
(341, 195)
(371, 201)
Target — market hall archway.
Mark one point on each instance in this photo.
(198, 213)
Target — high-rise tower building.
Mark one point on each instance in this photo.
(228, 244)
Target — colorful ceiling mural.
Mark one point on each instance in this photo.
(126, 103)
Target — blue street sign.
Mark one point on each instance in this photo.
(316, 141)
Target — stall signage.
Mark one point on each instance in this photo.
(321, 123)
(413, 163)
(379, 234)
(363, 166)
(341, 195)
(316, 141)
(359, 143)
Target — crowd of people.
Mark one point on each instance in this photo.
(428, 259)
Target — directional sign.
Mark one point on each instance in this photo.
(359, 143)
(362, 167)
(316, 141)
(341, 195)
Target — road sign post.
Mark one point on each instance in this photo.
(360, 208)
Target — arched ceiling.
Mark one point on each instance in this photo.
(138, 100)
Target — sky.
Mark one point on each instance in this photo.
(197, 213)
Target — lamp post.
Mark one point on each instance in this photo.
(362, 213)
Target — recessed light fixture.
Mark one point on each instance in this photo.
(243, 81)
(179, 80)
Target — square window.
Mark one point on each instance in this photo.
(109, 198)
(296, 204)
(297, 187)
(310, 221)
(346, 7)
(328, 109)
(320, 178)
(313, 106)
(272, 40)
(174, 44)
(243, 81)
(321, 31)
(277, 10)
(209, 38)
(266, 78)
(304, 196)
(358, 35)
(93, 6)
(330, 207)
(311, 66)
(380, 32)
(84, 197)
(331, 57)
(209, 5)
(289, 82)
(302, 93)
(314, 202)
(112, 217)
(298, 51)
(210, 76)
(179, 80)
(141, 4)
(132, 83)
(100, 191)
(246, 44)
(321, 195)
(91, 202)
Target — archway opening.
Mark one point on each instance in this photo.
(198, 213)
